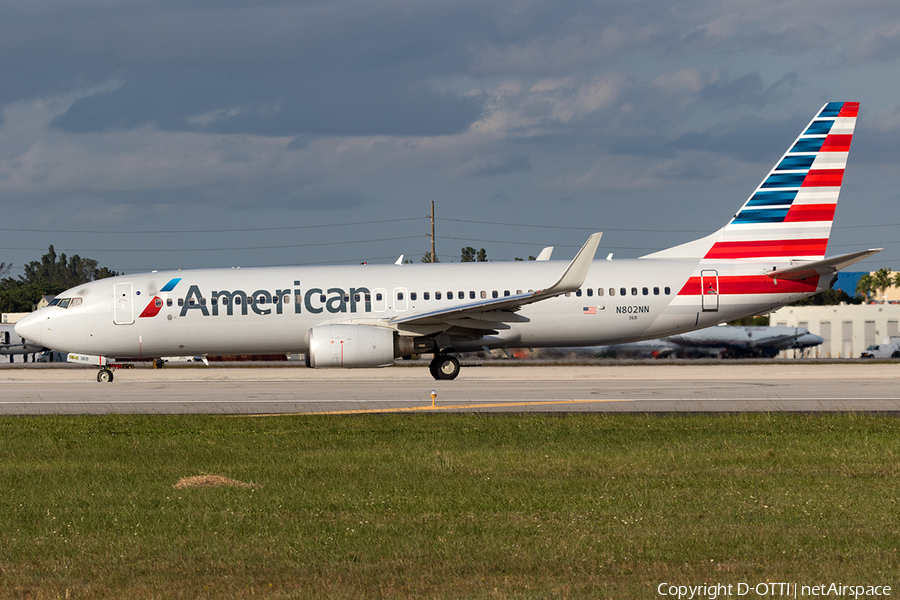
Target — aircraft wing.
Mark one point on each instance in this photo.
(828, 266)
(472, 315)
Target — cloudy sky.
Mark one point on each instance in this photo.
(201, 133)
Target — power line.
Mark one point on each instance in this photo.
(122, 250)
(175, 231)
(579, 228)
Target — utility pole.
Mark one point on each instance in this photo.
(433, 258)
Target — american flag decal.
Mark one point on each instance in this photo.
(590, 310)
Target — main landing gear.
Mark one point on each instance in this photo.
(444, 366)
(104, 375)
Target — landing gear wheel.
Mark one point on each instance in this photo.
(444, 366)
(896, 354)
(104, 376)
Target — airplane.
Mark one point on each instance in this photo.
(770, 253)
(10, 347)
(725, 340)
(748, 341)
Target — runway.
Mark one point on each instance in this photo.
(666, 388)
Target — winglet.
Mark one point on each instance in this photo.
(577, 271)
(545, 253)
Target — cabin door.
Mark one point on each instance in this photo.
(123, 313)
(709, 290)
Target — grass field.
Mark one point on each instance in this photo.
(444, 506)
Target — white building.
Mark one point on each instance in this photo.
(848, 329)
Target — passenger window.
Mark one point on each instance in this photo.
(471, 295)
(668, 291)
(249, 300)
(322, 298)
(634, 291)
(237, 300)
(568, 294)
(590, 291)
(612, 291)
(578, 292)
(181, 302)
(378, 297)
(656, 291)
(425, 296)
(202, 301)
(356, 297)
(622, 291)
(495, 294)
(518, 292)
(214, 301)
(298, 299)
(346, 298)
(483, 294)
(462, 295)
(369, 297)
(449, 295)
(506, 292)
(399, 295)
(412, 296)
(437, 295)
(599, 291)
(645, 291)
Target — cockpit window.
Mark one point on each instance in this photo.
(66, 302)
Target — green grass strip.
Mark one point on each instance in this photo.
(444, 506)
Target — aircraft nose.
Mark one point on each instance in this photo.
(29, 327)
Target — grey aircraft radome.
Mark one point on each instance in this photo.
(770, 253)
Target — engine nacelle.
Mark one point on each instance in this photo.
(349, 346)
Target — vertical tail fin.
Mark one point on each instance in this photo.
(790, 213)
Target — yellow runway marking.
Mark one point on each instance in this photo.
(447, 407)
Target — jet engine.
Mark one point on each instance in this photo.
(340, 345)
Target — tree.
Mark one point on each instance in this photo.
(469, 254)
(58, 270)
(426, 258)
(865, 286)
(49, 276)
(882, 280)
(828, 298)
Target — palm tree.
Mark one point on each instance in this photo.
(865, 286)
(882, 281)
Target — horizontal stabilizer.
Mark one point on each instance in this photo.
(827, 266)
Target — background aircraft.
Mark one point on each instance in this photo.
(12, 344)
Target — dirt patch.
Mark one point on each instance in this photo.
(211, 481)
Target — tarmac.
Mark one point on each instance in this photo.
(721, 387)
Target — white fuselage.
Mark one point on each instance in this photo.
(200, 313)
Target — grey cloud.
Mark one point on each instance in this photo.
(502, 166)
(282, 103)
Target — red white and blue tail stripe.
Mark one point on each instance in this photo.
(789, 215)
